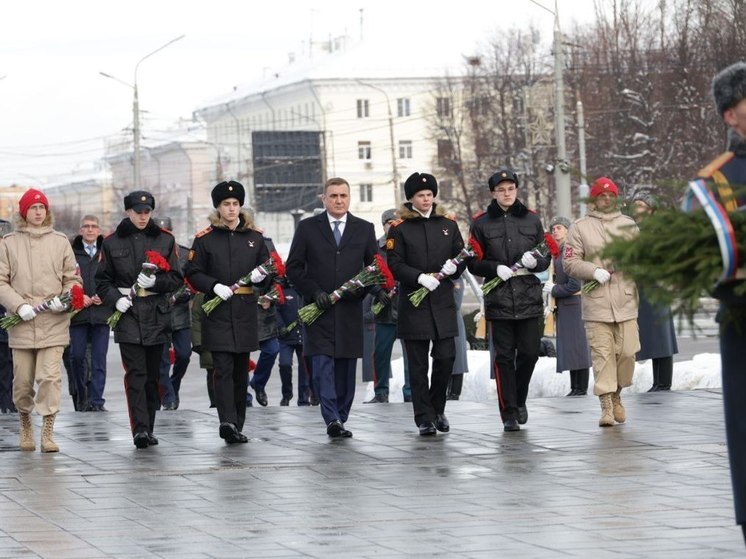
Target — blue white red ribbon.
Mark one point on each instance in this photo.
(698, 191)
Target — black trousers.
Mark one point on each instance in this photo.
(141, 370)
(230, 380)
(516, 344)
(429, 400)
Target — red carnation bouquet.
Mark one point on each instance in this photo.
(547, 246)
(377, 273)
(274, 266)
(154, 262)
(73, 299)
(472, 250)
(274, 295)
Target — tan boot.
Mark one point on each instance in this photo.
(47, 430)
(607, 419)
(27, 432)
(620, 414)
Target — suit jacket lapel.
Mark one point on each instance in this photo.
(349, 231)
(325, 228)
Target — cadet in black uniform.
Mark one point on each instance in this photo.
(145, 326)
(223, 253)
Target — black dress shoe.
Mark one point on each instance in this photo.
(229, 432)
(141, 440)
(152, 439)
(522, 415)
(453, 396)
(378, 399)
(427, 428)
(284, 402)
(511, 425)
(314, 400)
(346, 433)
(261, 397)
(441, 423)
(242, 438)
(335, 429)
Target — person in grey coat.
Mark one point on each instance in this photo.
(655, 321)
(573, 352)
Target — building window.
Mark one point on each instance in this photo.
(402, 107)
(363, 150)
(363, 109)
(405, 149)
(366, 192)
(443, 106)
(445, 153)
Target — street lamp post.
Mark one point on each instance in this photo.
(562, 169)
(136, 174)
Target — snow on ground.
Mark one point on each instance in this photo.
(703, 371)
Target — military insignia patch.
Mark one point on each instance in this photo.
(389, 244)
(445, 232)
(568, 252)
(191, 255)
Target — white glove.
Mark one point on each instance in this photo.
(26, 312)
(478, 316)
(548, 288)
(601, 275)
(430, 282)
(123, 304)
(257, 276)
(145, 281)
(55, 305)
(504, 273)
(528, 260)
(448, 269)
(222, 291)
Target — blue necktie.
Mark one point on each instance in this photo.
(91, 250)
(337, 232)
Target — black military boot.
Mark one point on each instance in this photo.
(665, 373)
(581, 388)
(573, 384)
(654, 388)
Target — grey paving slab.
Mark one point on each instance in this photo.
(657, 486)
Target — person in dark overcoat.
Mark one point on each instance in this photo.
(145, 325)
(573, 351)
(88, 327)
(508, 232)
(655, 321)
(419, 246)
(227, 250)
(291, 343)
(327, 250)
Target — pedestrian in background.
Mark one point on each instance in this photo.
(610, 309)
(573, 352)
(89, 333)
(655, 321)
(6, 357)
(37, 264)
(178, 352)
(145, 324)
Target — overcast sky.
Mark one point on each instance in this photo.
(56, 110)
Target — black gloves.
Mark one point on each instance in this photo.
(323, 301)
(383, 298)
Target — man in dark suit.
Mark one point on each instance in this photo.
(327, 250)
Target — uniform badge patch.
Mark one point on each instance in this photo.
(389, 244)
(251, 244)
(568, 252)
(191, 255)
(445, 232)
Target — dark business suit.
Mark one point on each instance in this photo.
(335, 340)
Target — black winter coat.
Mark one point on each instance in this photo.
(87, 267)
(287, 314)
(266, 318)
(122, 254)
(505, 236)
(418, 245)
(220, 255)
(315, 264)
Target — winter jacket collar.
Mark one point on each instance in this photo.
(736, 143)
(517, 209)
(126, 229)
(245, 222)
(408, 212)
(604, 216)
(34, 231)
